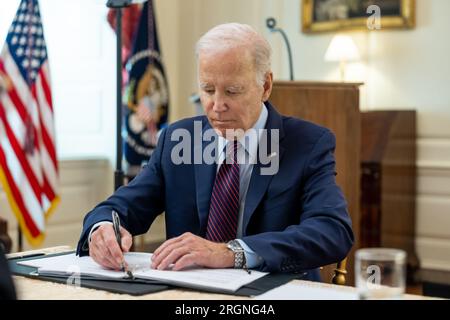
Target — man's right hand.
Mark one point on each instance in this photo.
(105, 250)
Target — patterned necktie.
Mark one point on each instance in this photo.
(224, 208)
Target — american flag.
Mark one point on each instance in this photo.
(28, 163)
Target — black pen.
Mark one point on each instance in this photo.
(116, 227)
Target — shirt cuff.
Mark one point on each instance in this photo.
(251, 257)
(95, 226)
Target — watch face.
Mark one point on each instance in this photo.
(232, 245)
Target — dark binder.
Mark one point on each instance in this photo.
(139, 287)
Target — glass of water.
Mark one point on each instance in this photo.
(380, 273)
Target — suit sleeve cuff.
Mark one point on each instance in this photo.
(251, 257)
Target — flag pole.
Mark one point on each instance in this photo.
(119, 175)
(118, 5)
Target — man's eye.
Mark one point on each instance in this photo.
(209, 91)
(233, 93)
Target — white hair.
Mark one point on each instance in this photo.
(232, 35)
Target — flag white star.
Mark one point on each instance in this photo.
(25, 63)
(14, 40)
(22, 41)
(19, 51)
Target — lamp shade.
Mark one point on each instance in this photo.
(342, 48)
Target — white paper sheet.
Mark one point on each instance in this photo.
(295, 291)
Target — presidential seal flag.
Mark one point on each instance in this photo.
(28, 163)
(146, 95)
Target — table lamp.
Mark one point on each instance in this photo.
(342, 49)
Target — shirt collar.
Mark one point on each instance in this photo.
(249, 141)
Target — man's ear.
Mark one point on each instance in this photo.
(268, 83)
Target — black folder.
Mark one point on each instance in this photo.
(139, 287)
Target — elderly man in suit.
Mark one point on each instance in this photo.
(267, 200)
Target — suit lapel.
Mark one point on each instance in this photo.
(258, 182)
(204, 181)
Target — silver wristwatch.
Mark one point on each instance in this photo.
(239, 256)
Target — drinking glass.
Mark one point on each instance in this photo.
(380, 273)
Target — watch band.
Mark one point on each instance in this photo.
(239, 255)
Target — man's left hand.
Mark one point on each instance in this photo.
(190, 250)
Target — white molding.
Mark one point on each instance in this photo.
(433, 216)
(433, 253)
(433, 153)
(433, 165)
(433, 181)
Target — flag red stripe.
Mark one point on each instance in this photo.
(21, 156)
(29, 222)
(45, 136)
(46, 89)
(49, 144)
(49, 193)
(20, 107)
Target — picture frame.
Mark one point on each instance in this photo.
(341, 15)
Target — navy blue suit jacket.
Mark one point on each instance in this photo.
(296, 220)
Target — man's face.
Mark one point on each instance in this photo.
(229, 92)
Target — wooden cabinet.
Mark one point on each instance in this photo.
(335, 106)
(388, 181)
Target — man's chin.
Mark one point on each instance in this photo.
(227, 129)
(229, 133)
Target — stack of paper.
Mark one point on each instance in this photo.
(222, 280)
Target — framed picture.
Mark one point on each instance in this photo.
(341, 15)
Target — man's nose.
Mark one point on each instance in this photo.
(220, 104)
